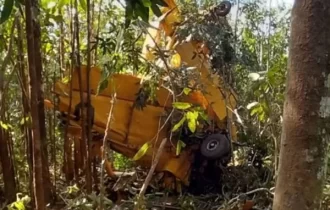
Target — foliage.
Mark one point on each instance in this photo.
(20, 203)
(140, 8)
(119, 52)
(260, 72)
(192, 115)
(6, 10)
(121, 162)
(142, 151)
(214, 32)
(75, 199)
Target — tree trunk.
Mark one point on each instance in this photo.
(23, 78)
(88, 118)
(69, 167)
(42, 121)
(5, 151)
(62, 48)
(34, 97)
(7, 165)
(84, 136)
(304, 145)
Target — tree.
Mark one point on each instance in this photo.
(306, 115)
(41, 112)
(6, 159)
(35, 86)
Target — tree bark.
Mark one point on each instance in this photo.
(88, 117)
(6, 159)
(23, 78)
(7, 165)
(42, 118)
(34, 97)
(84, 136)
(306, 115)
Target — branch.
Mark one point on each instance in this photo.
(150, 174)
(162, 57)
(105, 149)
(6, 61)
(249, 193)
(98, 29)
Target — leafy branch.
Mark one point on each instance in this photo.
(140, 8)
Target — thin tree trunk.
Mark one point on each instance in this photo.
(77, 157)
(92, 35)
(69, 155)
(84, 147)
(5, 154)
(98, 30)
(303, 145)
(94, 166)
(42, 119)
(25, 103)
(13, 160)
(53, 138)
(34, 92)
(62, 48)
(89, 114)
(66, 138)
(7, 164)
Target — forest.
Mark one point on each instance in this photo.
(164, 104)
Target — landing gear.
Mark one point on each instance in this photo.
(215, 146)
(209, 162)
(222, 9)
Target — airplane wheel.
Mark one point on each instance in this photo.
(215, 146)
(223, 9)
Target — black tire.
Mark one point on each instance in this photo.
(215, 146)
(223, 8)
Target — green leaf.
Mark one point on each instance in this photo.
(146, 3)
(192, 120)
(142, 151)
(255, 110)
(262, 116)
(26, 199)
(58, 18)
(179, 147)
(186, 90)
(5, 126)
(161, 3)
(18, 2)
(65, 80)
(6, 10)
(141, 11)
(61, 3)
(128, 13)
(181, 105)
(51, 4)
(254, 76)
(179, 124)
(101, 86)
(72, 189)
(250, 105)
(83, 4)
(19, 205)
(119, 40)
(155, 9)
(204, 116)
